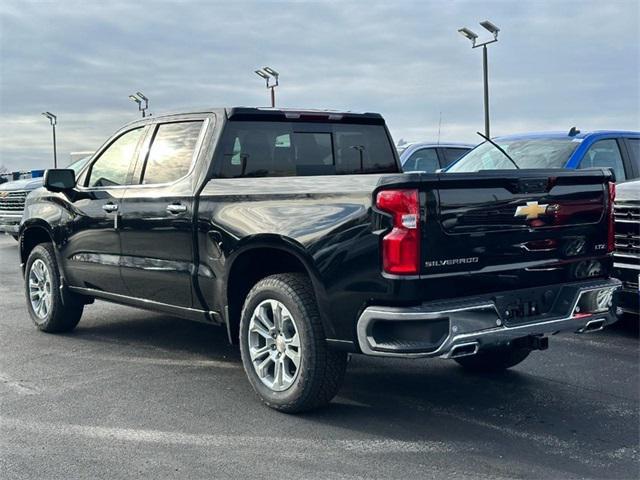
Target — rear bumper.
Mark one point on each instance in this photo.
(464, 326)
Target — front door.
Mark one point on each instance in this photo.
(157, 217)
(93, 250)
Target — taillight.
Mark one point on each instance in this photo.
(401, 246)
(611, 239)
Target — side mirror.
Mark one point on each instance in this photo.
(59, 180)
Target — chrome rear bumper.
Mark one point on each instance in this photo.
(465, 326)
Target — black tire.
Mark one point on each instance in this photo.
(320, 371)
(59, 317)
(494, 360)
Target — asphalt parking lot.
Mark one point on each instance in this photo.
(137, 394)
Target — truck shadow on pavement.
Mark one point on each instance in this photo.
(527, 413)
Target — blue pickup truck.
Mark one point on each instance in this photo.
(618, 150)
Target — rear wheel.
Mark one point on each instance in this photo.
(494, 359)
(44, 299)
(283, 345)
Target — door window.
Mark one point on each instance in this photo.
(453, 154)
(425, 160)
(171, 153)
(605, 153)
(112, 167)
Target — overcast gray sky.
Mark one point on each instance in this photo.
(557, 64)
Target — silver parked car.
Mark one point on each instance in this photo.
(13, 196)
(429, 156)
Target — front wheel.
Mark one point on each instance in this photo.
(494, 359)
(283, 345)
(44, 299)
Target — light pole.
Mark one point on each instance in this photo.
(267, 73)
(491, 28)
(53, 120)
(139, 97)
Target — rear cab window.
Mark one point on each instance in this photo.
(303, 148)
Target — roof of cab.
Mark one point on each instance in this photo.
(274, 114)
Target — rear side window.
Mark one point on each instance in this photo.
(171, 152)
(605, 153)
(271, 149)
(424, 160)
(634, 151)
(112, 167)
(453, 154)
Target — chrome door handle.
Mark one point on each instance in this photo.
(109, 207)
(176, 208)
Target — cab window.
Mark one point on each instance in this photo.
(605, 153)
(112, 166)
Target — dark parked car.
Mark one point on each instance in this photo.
(297, 231)
(429, 157)
(627, 255)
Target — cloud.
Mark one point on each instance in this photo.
(556, 65)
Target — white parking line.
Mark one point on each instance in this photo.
(363, 446)
(16, 386)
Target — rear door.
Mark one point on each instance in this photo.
(157, 214)
(93, 251)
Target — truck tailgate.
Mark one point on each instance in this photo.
(533, 220)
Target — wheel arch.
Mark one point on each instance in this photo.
(257, 258)
(33, 233)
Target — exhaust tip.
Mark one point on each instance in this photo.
(593, 326)
(464, 350)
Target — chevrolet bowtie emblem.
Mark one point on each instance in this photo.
(4, 194)
(531, 210)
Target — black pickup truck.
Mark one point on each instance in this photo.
(297, 232)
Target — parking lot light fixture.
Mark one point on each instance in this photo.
(491, 28)
(469, 34)
(268, 73)
(53, 120)
(139, 98)
(473, 37)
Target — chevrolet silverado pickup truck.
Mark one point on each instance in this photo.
(297, 232)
